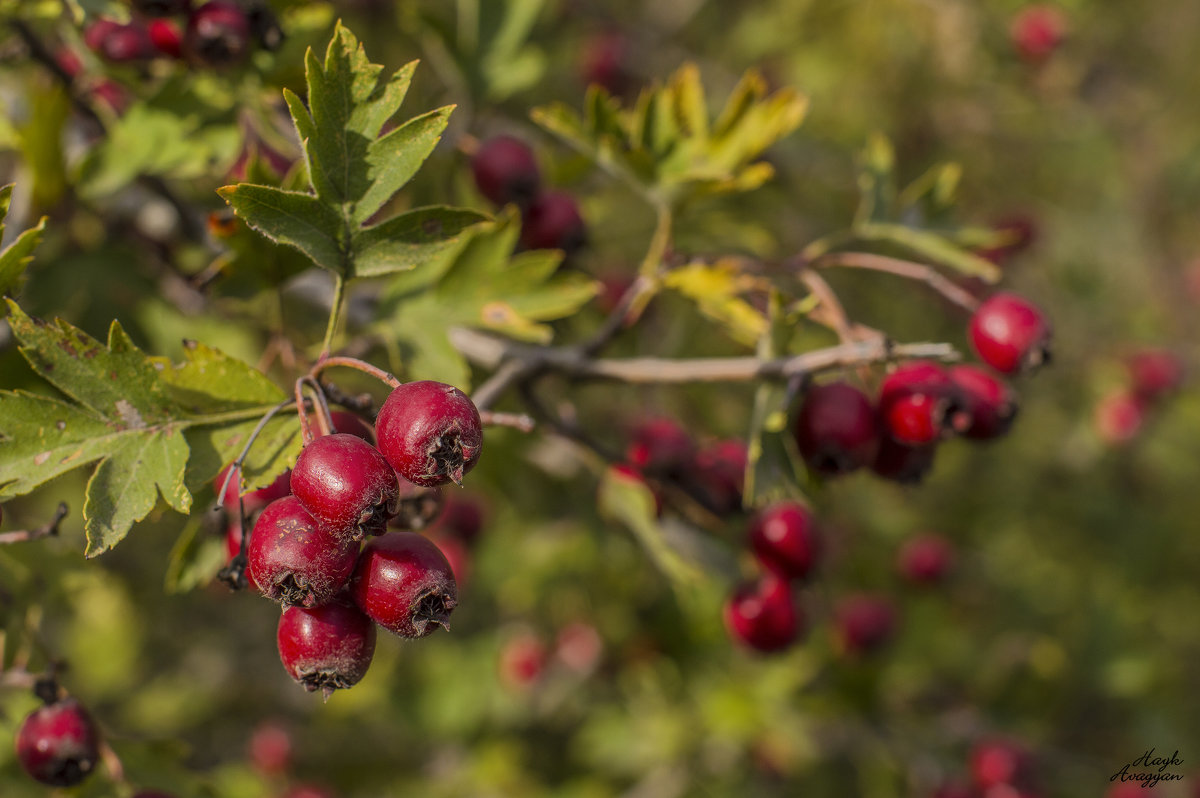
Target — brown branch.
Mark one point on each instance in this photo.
(48, 529)
(492, 352)
(901, 268)
(518, 421)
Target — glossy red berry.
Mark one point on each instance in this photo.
(430, 432)
(784, 538)
(660, 446)
(907, 465)
(925, 559)
(865, 624)
(553, 221)
(58, 744)
(125, 43)
(255, 499)
(996, 763)
(217, 34)
(1119, 417)
(351, 424)
(989, 403)
(763, 615)
(718, 472)
(506, 170)
(270, 749)
(835, 429)
(1155, 373)
(162, 8)
(404, 583)
(166, 37)
(919, 403)
(1010, 334)
(1037, 31)
(347, 485)
(326, 648)
(293, 559)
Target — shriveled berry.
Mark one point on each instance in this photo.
(1155, 373)
(865, 623)
(989, 402)
(919, 403)
(1119, 417)
(430, 432)
(58, 744)
(784, 538)
(763, 614)
(1037, 31)
(417, 507)
(162, 8)
(166, 37)
(294, 559)
(835, 429)
(1010, 334)
(553, 221)
(255, 499)
(718, 472)
(660, 446)
(925, 559)
(907, 465)
(217, 34)
(404, 583)
(996, 763)
(506, 170)
(346, 484)
(326, 648)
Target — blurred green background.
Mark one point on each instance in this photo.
(1069, 621)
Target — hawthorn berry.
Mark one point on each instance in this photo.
(996, 763)
(522, 660)
(166, 37)
(835, 429)
(925, 560)
(125, 43)
(326, 648)
(919, 403)
(430, 432)
(96, 33)
(1119, 417)
(660, 446)
(1010, 334)
(57, 744)
(270, 748)
(294, 559)
(456, 554)
(990, 404)
(553, 221)
(506, 170)
(255, 499)
(783, 537)
(1021, 232)
(865, 623)
(233, 538)
(579, 646)
(346, 484)
(763, 615)
(1037, 31)
(718, 472)
(462, 518)
(604, 62)
(217, 34)
(1155, 373)
(907, 465)
(162, 8)
(404, 583)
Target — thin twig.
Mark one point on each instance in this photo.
(519, 421)
(48, 529)
(901, 268)
(504, 376)
(830, 311)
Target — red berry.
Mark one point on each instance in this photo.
(125, 43)
(579, 646)
(506, 170)
(326, 648)
(633, 473)
(69, 62)
(925, 559)
(294, 559)
(763, 614)
(255, 499)
(162, 8)
(784, 539)
(1010, 334)
(270, 748)
(166, 37)
(836, 429)
(660, 446)
(996, 763)
(218, 34)
(1119, 417)
(58, 744)
(462, 518)
(522, 660)
(430, 432)
(865, 623)
(456, 555)
(553, 221)
(989, 402)
(418, 507)
(907, 465)
(351, 424)
(718, 472)
(1155, 373)
(404, 583)
(1037, 31)
(919, 403)
(604, 62)
(111, 94)
(233, 538)
(346, 484)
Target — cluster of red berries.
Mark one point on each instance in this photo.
(506, 171)
(839, 429)
(1154, 375)
(999, 768)
(525, 657)
(306, 549)
(661, 450)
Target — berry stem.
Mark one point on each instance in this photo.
(901, 268)
(335, 315)
(354, 363)
(324, 418)
(48, 529)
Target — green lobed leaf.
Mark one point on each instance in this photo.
(298, 220)
(17, 255)
(395, 158)
(410, 239)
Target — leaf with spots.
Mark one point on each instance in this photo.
(149, 428)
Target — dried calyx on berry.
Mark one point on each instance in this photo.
(404, 583)
(326, 648)
(294, 559)
(430, 432)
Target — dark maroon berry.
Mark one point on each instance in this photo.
(166, 37)
(989, 403)
(126, 43)
(925, 559)
(326, 648)
(553, 221)
(919, 403)
(58, 744)
(218, 34)
(907, 465)
(1155, 373)
(1010, 334)
(404, 583)
(835, 429)
(255, 499)
(293, 559)
(346, 484)
(162, 8)
(997, 763)
(660, 446)
(784, 538)
(506, 170)
(462, 517)
(763, 614)
(430, 432)
(865, 624)
(718, 472)
(346, 422)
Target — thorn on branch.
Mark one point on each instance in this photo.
(49, 529)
